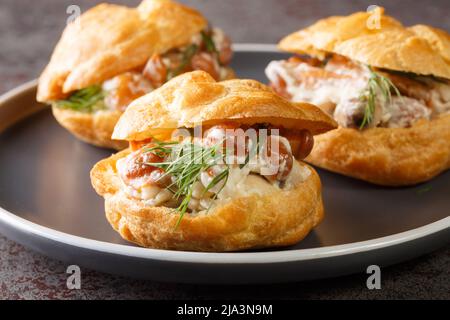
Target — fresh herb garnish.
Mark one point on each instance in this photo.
(188, 53)
(184, 162)
(89, 99)
(222, 176)
(377, 84)
(209, 42)
(160, 148)
(424, 190)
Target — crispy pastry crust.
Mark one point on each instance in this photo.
(110, 39)
(94, 128)
(279, 219)
(419, 49)
(385, 156)
(391, 157)
(106, 41)
(196, 98)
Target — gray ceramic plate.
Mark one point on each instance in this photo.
(47, 203)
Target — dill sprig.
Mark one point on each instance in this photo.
(377, 84)
(209, 42)
(160, 148)
(185, 162)
(188, 54)
(89, 99)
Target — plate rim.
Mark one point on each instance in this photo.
(284, 256)
(273, 256)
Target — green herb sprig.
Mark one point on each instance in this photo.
(424, 190)
(377, 84)
(188, 53)
(160, 148)
(89, 99)
(184, 163)
(209, 42)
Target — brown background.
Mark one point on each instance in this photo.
(29, 30)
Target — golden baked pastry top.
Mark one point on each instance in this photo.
(196, 98)
(378, 40)
(110, 39)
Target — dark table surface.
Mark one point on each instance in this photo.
(28, 31)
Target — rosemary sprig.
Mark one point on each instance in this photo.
(377, 84)
(184, 163)
(89, 99)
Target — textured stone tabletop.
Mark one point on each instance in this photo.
(28, 32)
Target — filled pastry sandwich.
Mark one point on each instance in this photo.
(113, 54)
(386, 85)
(213, 166)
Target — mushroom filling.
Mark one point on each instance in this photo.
(359, 96)
(210, 51)
(225, 162)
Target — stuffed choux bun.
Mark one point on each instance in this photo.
(213, 166)
(113, 54)
(385, 84)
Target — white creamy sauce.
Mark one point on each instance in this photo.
(136, 83)
(139, 188)
(218, 36)
(344, 93)
(298, 174)
(264, 164)
(322, 91)
(196, 39)
(122, 166)
(346, 110)
(405, 111)
(440, 97)
(241, 182)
